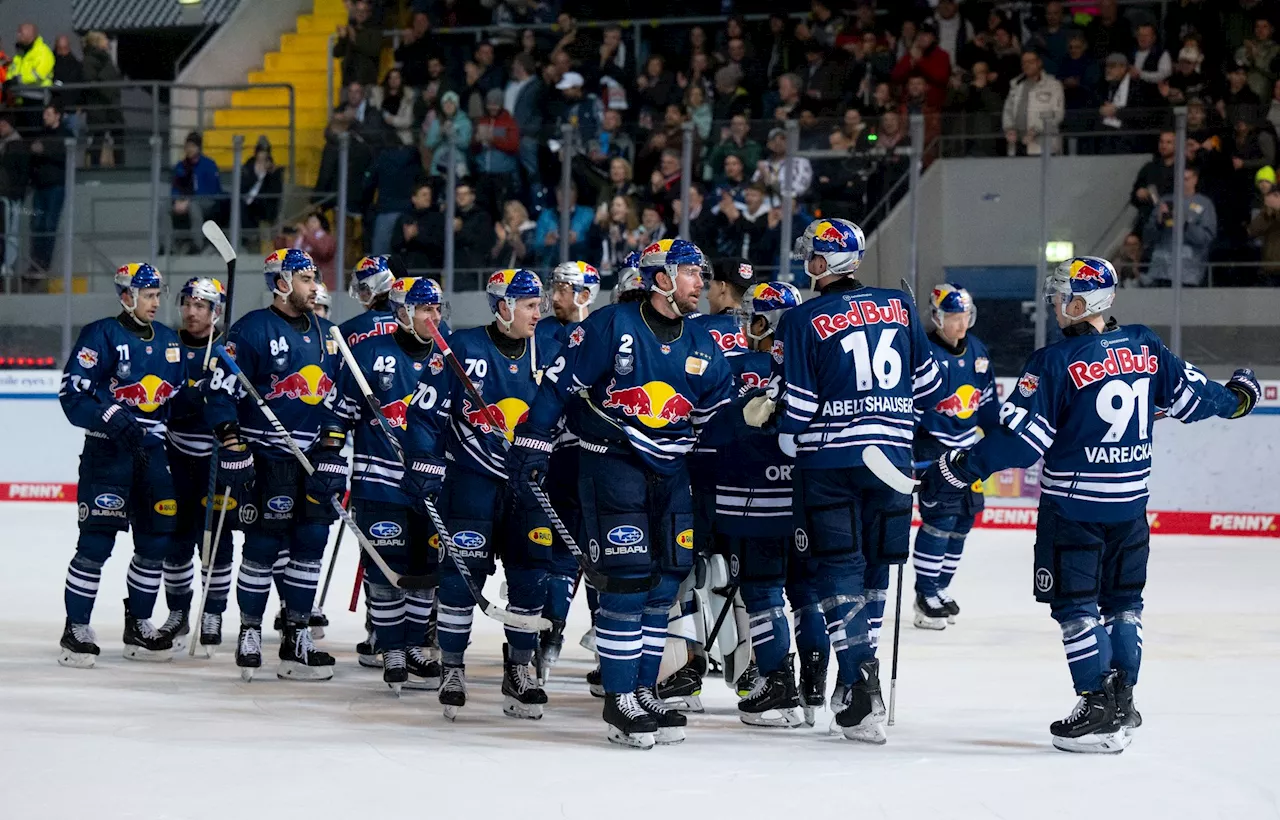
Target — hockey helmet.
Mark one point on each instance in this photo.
(578, 275)
(668, 255)
(282, 265)
(1090, 278)
(370, 278)
(768, 300)
(630, 287)
(409, 293)
(509, 286)
(133, 277)
(948, 298)
(839, 241)
(324, 298)
(206, 288)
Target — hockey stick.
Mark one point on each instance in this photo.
(219, 241)
(730, 594)
(897, 629)
(355, 588)
(401, 581)
(333, 560)
(525, 622)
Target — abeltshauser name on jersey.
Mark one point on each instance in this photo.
(871, 404)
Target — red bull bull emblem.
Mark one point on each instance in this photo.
(831, 234)
(507, 413)
(1028, 383)
(770, 293)
(776, 351)
(961, 404)
(310, 385)
(576, 337)
(147, 394)
(653, 404)
(497, 278)
(397, 413)
(1084, 272)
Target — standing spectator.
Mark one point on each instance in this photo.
(982, 109)
(102, 104)
(473, 237)
(1079, 76)
(824, 23)
(430, 92)
(497, 154)
(1108, 32)
(656, 87)
(1187, 81)
(750, 231)
(779, 175)
(48, 177)
(196, 191)
(313, 236)
(653, 226)
(395, 100)
(1191, 18)
(1154, 180)
(68, 70)
(620, 182)
(1199, 231)
(1128, 260)
(450, 124)
(31, 70)
(664, 183)
(547, 236)
(926, 60)
(523, 97)
(750, 73)
(1235, 21)
(979, 49)
(515, 248)
(702, 222)
(1265, 227)
(1258, 56)
(492, 77)
(325, 192)
(695, 102)
(416, 47)
(611, 143)
(1053, 39)
(614, 67)
(779, 50)
(359, 46)
(418, 236)
(1238, 101)
(14, 176)
(581, 110)
(615, 233)
(1273, 107)
(1151, 63)
(953, 31)
(1127, 105)
(262, 187)
(1008, 59)
(394, 174)
(737, 142)
(1034, 96)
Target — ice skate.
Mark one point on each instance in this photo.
(522, 696)
(549, 645)
(1130, 717)
(863, 714)
(79, 646)
(210, 631)
(453, 690)
(143, 642)
(931, 613)
(395, 672)
(367, 652)
(177, 628)
(299, 658)
(588, 640)
(670, 721)
(773, 701)
(953, 609)
(317, 622)
(747, 680)
(424, 669)
(595, 683)
(813, 685)
(682, 689)
(249, 651)
(629, 724)
(1094, 726)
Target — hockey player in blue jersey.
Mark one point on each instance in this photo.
(284, 350)
(117, 386)
(404, 536)
(486, 517)
(953, 422)
(191, 444)
(1086, 406)
(856, 368)
(324, 301)
(651, 381)
(574, 288)
(371, 280)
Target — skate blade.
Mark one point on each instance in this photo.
(422, 684)
(669, 735)
(810, 715)
(588, 640)
(1106, 743)
(317, 633)
(137, 653)
(683, 703)
(209, 650)
(513, 708)
(246, 673)
(451, 712)
(292, 670)
(774, 719)
(179, 644)
(76, 660)
(395, 688)
(597, 690)
(642, 740)
(370, 661)
(951, 619)
(873, 734)
(922, 621)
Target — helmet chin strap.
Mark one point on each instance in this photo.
(287, 278)
(408, 327)
(669, 294)
(579, 309)
(506, 324)
(130, 310)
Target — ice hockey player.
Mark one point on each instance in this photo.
(651, 381)
(284, 352)
(574, 288)
(1086, 405)
(324, 301)
(484, 514)
(371, 280)
(403, 536)
(191, 444)
(117, 385)
(630, 286)
(856, 368)
(970, 405)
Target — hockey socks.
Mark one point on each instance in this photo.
(770, 638)
(83, 577)
(177, 584)
(620, 645)
(1088, 649)
(143, 582)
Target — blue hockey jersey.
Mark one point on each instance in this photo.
(371, 323)
(727, 335)
(189, 431)
(292, 370)
(965, 404)
(393, 375)
(856, 369)
(110, 365)
(753, 476)
(443, 418)
(641, 395)
(1086, 405)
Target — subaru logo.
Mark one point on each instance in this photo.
(385, 529)
(280, 504)
(625, 535)
(469, 540)
(109, 501)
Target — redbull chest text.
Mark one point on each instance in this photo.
(858, 314)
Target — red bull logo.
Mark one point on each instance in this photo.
(729, 341)
(498, 277)
(148, 394)
(507, 413)
(397, 413)
(1085, 272)
(653, 404)
(961, 404)
(827, 232)
(310, 385)
(770, 293)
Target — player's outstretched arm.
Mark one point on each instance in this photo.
(92, 357)
(1190, 396)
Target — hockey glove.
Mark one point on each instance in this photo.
(530, 455)
(423, 477)
(122, 427)
(945, 484)
(330, 476)
(1244, 384)
(235, 464)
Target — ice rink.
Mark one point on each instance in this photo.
(189, 740)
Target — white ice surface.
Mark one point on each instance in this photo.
(188, 740)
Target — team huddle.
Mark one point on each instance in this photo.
(701, 474)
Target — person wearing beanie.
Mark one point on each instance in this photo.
(197, 195)
(450, 122)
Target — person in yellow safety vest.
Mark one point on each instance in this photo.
(33, 63)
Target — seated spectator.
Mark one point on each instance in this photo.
(731, 99)
(496, 143)
(1265, 228)
(733, 178)
(620, 182)
(881, 101)
(1128, 105)
(547, 237)
(473, 238)
(737, 142)
(780, 176)
(702, 222)
(262, 187)
(695, 102)
(979, 49)
(581, 110)
(664, 184)
(853, 126)
(653, 226)
(1128, 260)
(752, 230)
(312, 235)
(656, 87)
(448, 125)
(699, 74)
(1238, 95)
(927, 61)
(820, 77)
(611, 142)
(1258, 55)
(437, 82)
(395, 100)
(1033, 98)
(359, 47)
(781, 104)
(880, 146)
(196, 191)
(393, 178)
(811, 136)
(750, 73)
(615, 233)
(358, 112)
(1273, 107)
(839, 184)
(1199, 231)
(1154, 180)
(418, 236)
(515, 235)
(1187, 81)
(778, 49)
(492, 77)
